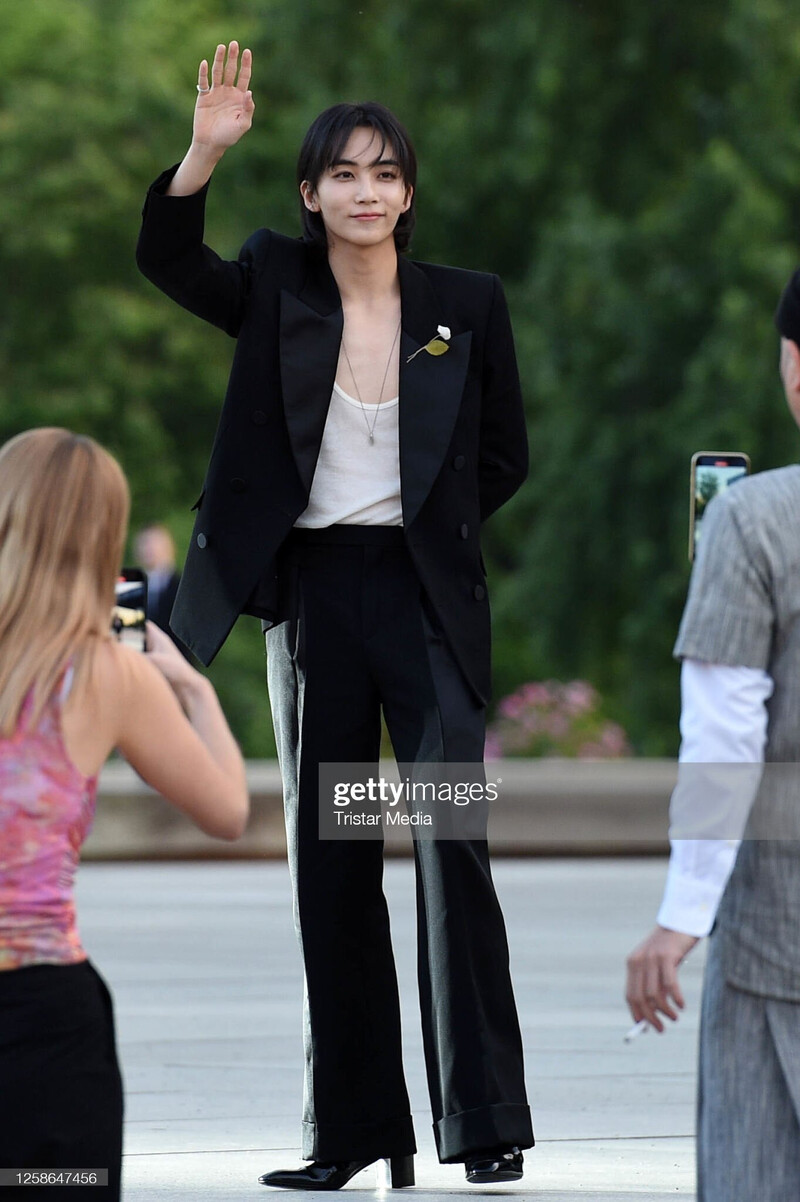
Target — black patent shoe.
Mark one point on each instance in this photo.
(503, 1164)
(333, 1175)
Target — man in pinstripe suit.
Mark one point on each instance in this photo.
(740, 646)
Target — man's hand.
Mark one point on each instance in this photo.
(652, 983)
(223, 113)
(225, 107)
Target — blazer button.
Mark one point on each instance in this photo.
(258, 417)
(464, 530)
(479, 592)
(202, 542)
(238, 484)
(459, 462)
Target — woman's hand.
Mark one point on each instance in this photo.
(224, 112)
(164, 655)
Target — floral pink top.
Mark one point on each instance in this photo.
(46, 812)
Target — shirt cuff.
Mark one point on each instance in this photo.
(690, 904)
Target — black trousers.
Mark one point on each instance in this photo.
(362, 640)
(60, 1086)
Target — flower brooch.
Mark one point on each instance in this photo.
(436, 346)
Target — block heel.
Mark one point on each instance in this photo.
(402, 1171)
(396, 1172)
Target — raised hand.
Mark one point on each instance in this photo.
(225, 106)
(224, 111)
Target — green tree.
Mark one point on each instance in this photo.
(628, 169)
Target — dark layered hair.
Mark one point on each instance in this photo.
(324, 145)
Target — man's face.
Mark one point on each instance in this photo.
(154, 550)
(361, 197)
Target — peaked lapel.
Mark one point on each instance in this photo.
(310, 335)
(431, 388)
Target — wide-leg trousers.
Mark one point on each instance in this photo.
(360, 640)
(748, 1128)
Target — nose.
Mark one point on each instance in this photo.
(365, 192)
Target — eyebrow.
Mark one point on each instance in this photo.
(376, 163)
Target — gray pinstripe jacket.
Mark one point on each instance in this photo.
(744, 609)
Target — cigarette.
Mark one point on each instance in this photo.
(637, 1029)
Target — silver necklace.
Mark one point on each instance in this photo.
(371, 429)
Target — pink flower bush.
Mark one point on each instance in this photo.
(551, 718)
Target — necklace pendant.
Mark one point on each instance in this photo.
(372, 437)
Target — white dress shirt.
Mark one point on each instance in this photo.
(723, 721)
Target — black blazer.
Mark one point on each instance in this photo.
(463, 446)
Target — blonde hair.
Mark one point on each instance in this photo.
(64, 504)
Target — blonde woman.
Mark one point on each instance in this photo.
(69, 694)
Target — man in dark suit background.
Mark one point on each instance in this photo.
(351, 527)
(155, 552)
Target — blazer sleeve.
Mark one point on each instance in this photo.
(503, 459)
(171, 253)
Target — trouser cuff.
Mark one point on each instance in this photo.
(358, 1141)
(506, 1125)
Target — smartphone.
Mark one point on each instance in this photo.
(712, 472)
(129, 615)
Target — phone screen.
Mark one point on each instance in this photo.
(129, 614)
(712, 473)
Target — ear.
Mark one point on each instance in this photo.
(408, 198)
(790, 365)
(307, 193)
(790, 374)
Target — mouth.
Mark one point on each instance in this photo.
(367, 216)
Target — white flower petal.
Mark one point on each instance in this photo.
(444, 331)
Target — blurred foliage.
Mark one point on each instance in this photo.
(629, 169)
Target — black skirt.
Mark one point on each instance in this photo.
(60, 1085)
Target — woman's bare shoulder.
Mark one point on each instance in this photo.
(118, 672)
(104, 694)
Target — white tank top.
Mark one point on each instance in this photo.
(356, 481)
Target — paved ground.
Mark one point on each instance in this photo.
(202, 962)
